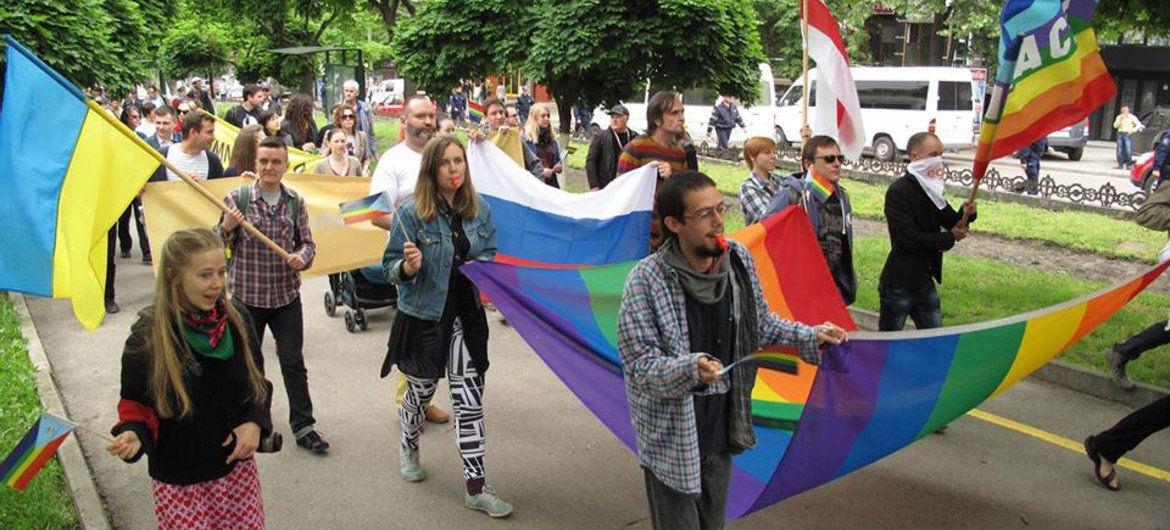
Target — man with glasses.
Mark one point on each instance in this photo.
(819, 191)
(689, 309)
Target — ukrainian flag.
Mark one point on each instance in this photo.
(68, 169)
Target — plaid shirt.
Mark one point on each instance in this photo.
(660, 370)
(754, 196)
(256, 275)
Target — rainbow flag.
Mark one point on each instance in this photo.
(1050, 75)
(35, 449)
(475, 111)
(365, 208)
(67, 172)
(874, 395)
(819, 184)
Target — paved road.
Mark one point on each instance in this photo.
(563, 469)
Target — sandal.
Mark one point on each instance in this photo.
(1106, 480)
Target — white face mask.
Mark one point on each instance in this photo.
(931, 174)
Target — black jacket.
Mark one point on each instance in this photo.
(214, 166)
(601, 162)
(189, 450)
(919, 234)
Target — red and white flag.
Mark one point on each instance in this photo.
(838, 113)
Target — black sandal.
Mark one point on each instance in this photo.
(1106, 480)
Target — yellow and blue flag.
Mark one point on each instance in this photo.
(68, 169)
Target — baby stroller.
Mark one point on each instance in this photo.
(359, 290)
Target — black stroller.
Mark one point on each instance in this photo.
(359, 290)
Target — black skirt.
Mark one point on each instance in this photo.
(420, 348)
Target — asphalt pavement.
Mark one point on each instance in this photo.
(561, 468)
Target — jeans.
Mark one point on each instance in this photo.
(670, 509)
(288, 328)
(1149, 338)
(722, 136)
(921, 304)
(1032, 172)
(1124, 150)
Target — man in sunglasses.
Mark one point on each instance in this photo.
(689, 309)
(819, 191)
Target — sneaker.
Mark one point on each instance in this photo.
(408, 465)
(112, 307)
(314, 442)
(488, 502)
(1117, 369)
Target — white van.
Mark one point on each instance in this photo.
(698, 103)
(897, 102)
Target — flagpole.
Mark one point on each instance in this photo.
(804, 131)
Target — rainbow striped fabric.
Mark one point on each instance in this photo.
(365, 208)
(871, 397)
(1050, 75)
(35, 449)
(819, 184)
(475, 111)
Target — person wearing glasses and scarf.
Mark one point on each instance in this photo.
(819, 191)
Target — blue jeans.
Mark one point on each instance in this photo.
(1124, 150)
(920, 304)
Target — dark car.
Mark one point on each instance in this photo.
(1070, 140)
(1154, 121)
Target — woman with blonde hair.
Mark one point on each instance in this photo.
(539, 138)
(194, 398)
(441, 327)
(339, 162)
(243, 159)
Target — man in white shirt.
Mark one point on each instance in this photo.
(164, 129)
(396, 175)
(192, 155)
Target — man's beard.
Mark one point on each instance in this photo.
(420, 133)
(707, 252)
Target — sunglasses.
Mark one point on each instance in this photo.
(832, 159)
(347, 116)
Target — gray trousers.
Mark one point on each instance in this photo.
(671, 510)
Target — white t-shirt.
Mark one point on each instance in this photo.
(196, 166)
(397, 173)
(146, 129)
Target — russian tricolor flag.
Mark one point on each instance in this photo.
(542, 225)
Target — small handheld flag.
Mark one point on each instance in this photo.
(365, 208)
(770, 360)
(475, 111)
(819, 184)
(35, 449)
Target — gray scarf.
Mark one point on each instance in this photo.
(705, 287)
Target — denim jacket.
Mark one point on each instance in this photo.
(424, 295)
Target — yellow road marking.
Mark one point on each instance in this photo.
(1076, 447)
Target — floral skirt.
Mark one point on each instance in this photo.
(232, 501)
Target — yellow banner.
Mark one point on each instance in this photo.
(175, 205)
(225, 138)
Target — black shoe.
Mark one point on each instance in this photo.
(146, 259)
(112, 307)
(313, 442)
(125, 253)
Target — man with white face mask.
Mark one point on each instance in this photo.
(922, 226)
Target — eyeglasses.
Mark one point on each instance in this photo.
(832, 159)
(347, 116)
(706, 213)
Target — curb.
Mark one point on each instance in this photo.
(91, 513)
(1068, 375)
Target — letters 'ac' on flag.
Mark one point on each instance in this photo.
(838, 111)
(67, 172)
(1050, 75)
(34, 450)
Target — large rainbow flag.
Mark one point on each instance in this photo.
(34, 450)
(877, 394)
(1050, 75)
(67, 171)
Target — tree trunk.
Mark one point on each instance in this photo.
(565, 103)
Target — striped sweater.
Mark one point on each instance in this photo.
(644, 150)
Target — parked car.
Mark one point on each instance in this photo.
(1070, 140)
(1155, 121)
(387, 104)
(1142, 173)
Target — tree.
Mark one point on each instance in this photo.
(90, 42)
(387, 10)
(779, 26)
(192, 47)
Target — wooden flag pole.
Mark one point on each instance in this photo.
(804, 130)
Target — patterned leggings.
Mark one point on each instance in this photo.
(466, 399)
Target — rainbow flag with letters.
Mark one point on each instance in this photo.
(1051, 75)
(475, 111)
(365, 208)
(68, 169)
(35, 449)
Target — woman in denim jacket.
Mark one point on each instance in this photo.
(440, 327)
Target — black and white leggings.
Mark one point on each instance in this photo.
(466, 399)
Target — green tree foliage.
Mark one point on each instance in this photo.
(90, 42)
(779, 26)
(596, 51)
(192, 47)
